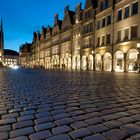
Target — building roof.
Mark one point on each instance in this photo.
(10, 52)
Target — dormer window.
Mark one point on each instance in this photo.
(135, 8)
(101, 6)
(87, 14)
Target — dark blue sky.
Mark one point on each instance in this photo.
(22, 17)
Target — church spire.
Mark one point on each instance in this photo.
(1, 26)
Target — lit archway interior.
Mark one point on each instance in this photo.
(90, 62)
(76, 62)
(69, 63)
(107, 62)
(65, 62)
(84, 63)
(132, 60)
(98, 62)
(119, 61)
(73, 62)
(61, 63)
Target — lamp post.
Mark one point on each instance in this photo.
(138, 47)
(93, 59)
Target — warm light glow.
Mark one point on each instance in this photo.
(138, 45)
(92, 52)
(124, 49)
(102, 50)
(13, 66)
(118, 69)
(130, 67)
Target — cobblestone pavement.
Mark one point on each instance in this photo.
(59, 105)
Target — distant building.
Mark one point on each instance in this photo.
(104, 36)
(1, 42)
(24, 55)
(10, 58)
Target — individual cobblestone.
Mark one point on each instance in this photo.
(112, 124)
(64, 121)
(21, 132)
(115, 134)
(42, 114)
(131, 129)
(5, 128)
(40, 135)
(7, 121)
(79, 133)
(61, 130)
(95, 137)
(79, 124)
(11, 115)
(44, 120)
(25, 118)
(98, 128)
(20, 138)
(22, 124)
(60, 137)
(44, 126)
(3, 136)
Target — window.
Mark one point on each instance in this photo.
(119, 15)
(118, 36)
(109, 20)
(106, 4)
(134, 31)
(127, 12)
(101, 6)
(135, 8)
(87, 14)
(126, 34)
(91, 27)
(103, 40)
(98, 24)
(98, 41)
(108, 39)
(103, 22)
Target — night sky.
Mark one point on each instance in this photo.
(22, 17)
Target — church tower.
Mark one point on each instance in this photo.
(1, 40)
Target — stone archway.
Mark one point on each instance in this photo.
(90, 62)
(84, 63)
(98, 62)
(119, 61)
(69, 63)
(65, 62)
(132, 60)
(76, 62)
(107, 62)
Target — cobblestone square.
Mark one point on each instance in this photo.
(61, 105)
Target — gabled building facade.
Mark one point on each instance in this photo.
(56, 42)
(104, 36)
(25, 55)
(76, 41)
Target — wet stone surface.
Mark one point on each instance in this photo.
(60, 105)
